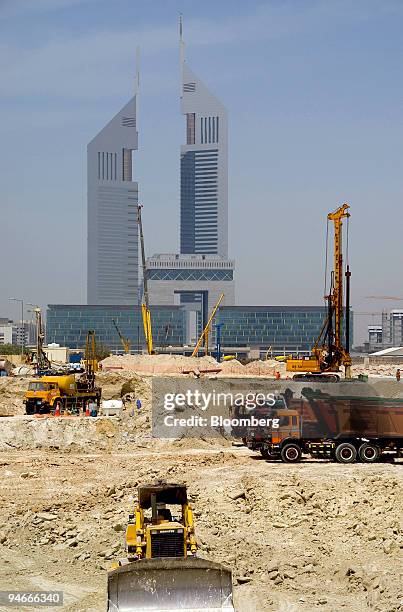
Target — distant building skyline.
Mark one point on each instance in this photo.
(112, 240)
(387, 333)
(203, 168)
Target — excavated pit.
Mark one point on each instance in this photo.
(316, 535)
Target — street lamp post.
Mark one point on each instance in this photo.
(22, 323)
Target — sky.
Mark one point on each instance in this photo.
(314, 92)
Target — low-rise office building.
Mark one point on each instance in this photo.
(244, 329)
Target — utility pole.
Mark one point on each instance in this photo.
(22, 323)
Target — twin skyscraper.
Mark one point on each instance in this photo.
(201, 270)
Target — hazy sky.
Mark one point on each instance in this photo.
(314, 93)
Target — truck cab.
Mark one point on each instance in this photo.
(43, 392)
(284, 441)
(281, 439)
(40, 396)
(288, 426)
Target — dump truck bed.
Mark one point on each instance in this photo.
(343, 416)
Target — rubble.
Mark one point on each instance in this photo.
(299, 537)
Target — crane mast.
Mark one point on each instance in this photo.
(337, 294)
(329, 352)
(90, 360)
(42, 362)
(145, 309)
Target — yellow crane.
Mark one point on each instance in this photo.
(145, 308)
(204, 336)
(384, 297)
(329, 352)
(126, 343)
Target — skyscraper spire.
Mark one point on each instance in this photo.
(204, 171)
(181, 41)
(137, 77)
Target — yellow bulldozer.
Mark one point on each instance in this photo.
(161, 571)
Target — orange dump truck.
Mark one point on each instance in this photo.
(339, 427)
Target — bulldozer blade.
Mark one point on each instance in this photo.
(169, 584)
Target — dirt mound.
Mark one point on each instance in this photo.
(159, 364)
(232, 367)
(261, 368)
(11, 395)
(81, 434)
(377, 370)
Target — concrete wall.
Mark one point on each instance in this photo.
(166, 292)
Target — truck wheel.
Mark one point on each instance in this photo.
(346, 453)
(368, 453)
(290, 453)
(265, 453)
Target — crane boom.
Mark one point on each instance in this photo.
(384, 297)
(145, 309)
(206, 330)
(143, 256)
(126, 343)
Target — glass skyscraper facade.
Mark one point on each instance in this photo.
(204, 169)
(112, 265)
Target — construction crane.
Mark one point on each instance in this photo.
(90, 360)
(43, 365)
(384, 297)
(204, 336)
(145, 307)
(126, 343)
(329, 352)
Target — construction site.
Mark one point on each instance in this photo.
(304, 536)
(164, 446)
(285, 518)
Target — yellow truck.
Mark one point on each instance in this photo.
(60, 394)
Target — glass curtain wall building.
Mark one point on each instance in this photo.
(286, 329)
(68, 325)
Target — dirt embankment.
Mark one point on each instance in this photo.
(12, 391)
(316, 535)
(132, 374)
